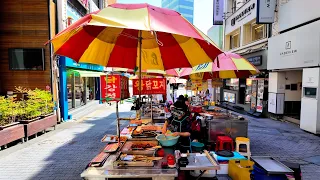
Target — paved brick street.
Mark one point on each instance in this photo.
(64, 153)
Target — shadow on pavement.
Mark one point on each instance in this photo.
(70, 159)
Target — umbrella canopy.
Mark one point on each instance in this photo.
(170, 73)
(226, 65)
(112, 37)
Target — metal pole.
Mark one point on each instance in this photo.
(151, 110)
(140, 53)
(118, 121)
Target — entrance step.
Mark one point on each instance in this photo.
(290, 119)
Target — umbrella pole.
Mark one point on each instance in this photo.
(151, 110)
(140, 52)
(118, 122)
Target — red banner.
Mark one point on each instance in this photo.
(124, 87)
(115, 87)
(150, 86)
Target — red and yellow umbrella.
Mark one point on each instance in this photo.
(167, 73)
(227, 65)
(125, 35)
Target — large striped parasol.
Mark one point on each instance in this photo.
(226, 65)
(112, 37)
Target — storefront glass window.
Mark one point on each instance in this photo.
(90, 89)
(248, 91)
(232, 84)
(79, 91)
(70, 89)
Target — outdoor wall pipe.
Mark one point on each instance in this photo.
(57, 111)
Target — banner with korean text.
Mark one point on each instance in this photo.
(150, 86)
(218, 6)
(114, 87)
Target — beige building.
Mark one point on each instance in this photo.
(244, 36)
(108, 2)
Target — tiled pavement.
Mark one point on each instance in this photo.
(64, 153)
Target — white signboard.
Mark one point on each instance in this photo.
(265, 11)
(276, 103)
(296, 12)
(295, 49)
(218, 12)
(242, 16)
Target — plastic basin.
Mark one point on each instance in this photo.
(169, 141)
(197, 146)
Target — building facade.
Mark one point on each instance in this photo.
(244, 36)
(295, 64)
(184, 7)
(79, 83)
(25, 60)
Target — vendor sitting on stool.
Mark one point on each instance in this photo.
(179, 124)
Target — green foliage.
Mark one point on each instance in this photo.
(8, 110)
(38, 102)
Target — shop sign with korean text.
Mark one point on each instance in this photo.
(218, 12)
(114, 87)
(265, 11)
(150, 86)
(196, 85)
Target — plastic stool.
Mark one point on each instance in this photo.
(221, 141)
(243, 141)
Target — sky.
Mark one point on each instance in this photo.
(203, 12)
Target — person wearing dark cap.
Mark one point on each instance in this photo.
(179, 124)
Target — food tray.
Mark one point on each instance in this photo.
(99, 160)
(127, 130)
(151, 128)
(150, 134)
(113, 138)
(270, 165)
(122, 163)
(127, 147)
(113, 147)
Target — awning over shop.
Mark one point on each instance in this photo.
(252, 49)
(83, 73)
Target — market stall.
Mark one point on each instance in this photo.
(140, 157)
(219, 121)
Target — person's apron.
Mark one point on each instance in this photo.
(185, 142)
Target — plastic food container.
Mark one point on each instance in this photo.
(197, 146)
(167, 141)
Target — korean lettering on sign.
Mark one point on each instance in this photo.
(110, 87)
(150, 86)
(124, 87)
(256, 60)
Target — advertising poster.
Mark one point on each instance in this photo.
(253, 98)
(260, 91)
(229, 97)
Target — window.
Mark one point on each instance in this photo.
(234, 41)
(26, 59)
(254, 32)
(258, 31)
(310, 92)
